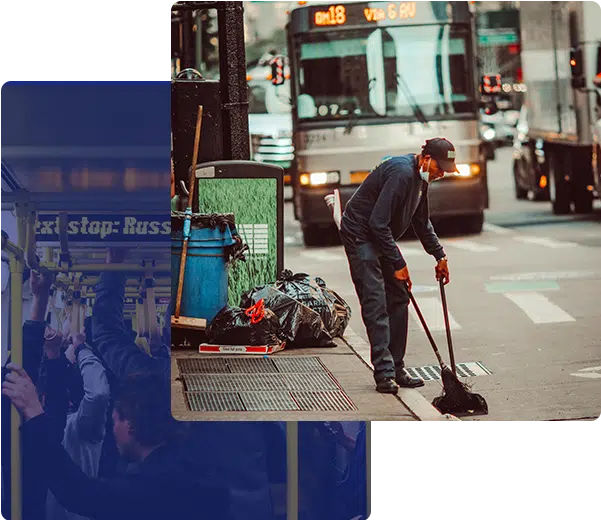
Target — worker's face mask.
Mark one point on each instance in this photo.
(424, 172)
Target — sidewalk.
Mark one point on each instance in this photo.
(289, 386)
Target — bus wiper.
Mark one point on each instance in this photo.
(417, 111)
(352, 122)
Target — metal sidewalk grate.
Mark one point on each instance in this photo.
(324, 402)
(432, 372)
(231, 384)
(268, 401)
(215, 402)
(202, 365)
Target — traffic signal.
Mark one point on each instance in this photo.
(277, 71)
(576, 62)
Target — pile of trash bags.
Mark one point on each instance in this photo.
(309, 314)
(255, 325)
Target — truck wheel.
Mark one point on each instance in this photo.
(472, 224)
(559, 190)
(583, 202)
(520, 193)
(313, 236)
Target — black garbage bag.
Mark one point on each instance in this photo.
(333, 310)
(254, 325)
(301, 326)
(342, 309)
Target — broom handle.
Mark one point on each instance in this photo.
(423, 321)
(447, 326)
(186, 232)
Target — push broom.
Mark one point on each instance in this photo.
(176, 319)
(456, 398)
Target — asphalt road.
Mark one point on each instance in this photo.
(524, 299)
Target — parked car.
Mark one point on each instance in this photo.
(529, 173)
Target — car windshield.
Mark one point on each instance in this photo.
(393, 71)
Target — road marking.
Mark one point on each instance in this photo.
(588, 375)
(546, 242)
(323, 256)
(558, 275)
(495, 229)
(432, 311)
(472, 247)
(538, 308)
(521, 286)
(412, 251)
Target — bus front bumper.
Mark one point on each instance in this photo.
(446, 198)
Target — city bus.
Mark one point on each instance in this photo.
(376, 79)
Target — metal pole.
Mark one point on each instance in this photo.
(234, 88)
(370, 464)
(292, 470)
(16, 356)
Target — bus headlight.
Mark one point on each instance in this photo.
(467, 170)
(319, 178)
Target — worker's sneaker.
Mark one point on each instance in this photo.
(406, 381)
(387, 386)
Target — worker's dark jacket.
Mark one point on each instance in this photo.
(392, 198)
(161, 487)
(34, 488)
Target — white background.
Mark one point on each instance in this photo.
(486, 471)
(84, 39)
(442, 471)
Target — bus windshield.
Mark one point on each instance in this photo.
(383, 72)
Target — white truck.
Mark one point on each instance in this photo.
(561, 57)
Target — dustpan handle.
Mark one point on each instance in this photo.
(445, 310)
(426, 329)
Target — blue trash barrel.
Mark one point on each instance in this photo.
(205, 278)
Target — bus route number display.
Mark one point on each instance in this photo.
(336, 15)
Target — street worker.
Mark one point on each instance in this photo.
(393, 197)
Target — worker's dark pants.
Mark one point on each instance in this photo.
(384, 306)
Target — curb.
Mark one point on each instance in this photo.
(413, 400)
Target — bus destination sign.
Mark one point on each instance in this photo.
(380, 14)
(342, 14)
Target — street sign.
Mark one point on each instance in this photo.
(504, 37)
(101, 230)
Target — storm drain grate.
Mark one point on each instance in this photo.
(232, 384)
(432, 372)
(323, 402)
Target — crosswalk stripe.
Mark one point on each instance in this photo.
(546, 242)
(495, 229)
(431, 309)
(323, 256)
(472, 247)
(539, 308)
(412, 251)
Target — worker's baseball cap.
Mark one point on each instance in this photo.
(443, 151)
